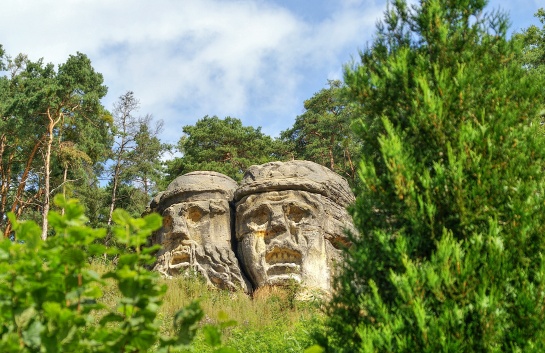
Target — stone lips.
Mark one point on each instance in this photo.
(295, 175)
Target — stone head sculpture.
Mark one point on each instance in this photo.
(291, 220)
(197, 229)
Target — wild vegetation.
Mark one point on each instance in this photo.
(451, 193)
(439, 130)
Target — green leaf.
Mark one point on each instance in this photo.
(153, 221)
(128, 260)
(32, 334)
(74, 256)
(212, 335)
(186, 320)
(4, 254)
(225, 350)
(96, 249)
(314, 349)
(51, 309)
(93, 292)
(144, 340)
(111, 317)
(27, 231)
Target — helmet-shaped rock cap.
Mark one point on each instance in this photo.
(199, 185)
(295, 175)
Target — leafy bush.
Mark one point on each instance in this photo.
(49, 297)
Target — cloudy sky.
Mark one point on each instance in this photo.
(256, 60)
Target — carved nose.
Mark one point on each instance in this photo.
(180, 230)
(277, 224)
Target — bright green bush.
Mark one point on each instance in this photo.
(450, 207)
(49, 297)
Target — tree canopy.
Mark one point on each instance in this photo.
(225, 146)
(42, 107)
(323, 134)
(533, 39)
(450, 201)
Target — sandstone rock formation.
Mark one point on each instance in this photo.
(197, 229)
(291, 220)
(290, 223)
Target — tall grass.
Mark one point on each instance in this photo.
(270, 320)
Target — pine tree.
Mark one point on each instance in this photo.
(450, 205)
(225, 146)
(322, 133)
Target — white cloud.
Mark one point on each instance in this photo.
(250, 59)
(185, 59)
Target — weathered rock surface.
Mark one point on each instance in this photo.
(197, 229)
(290, 223)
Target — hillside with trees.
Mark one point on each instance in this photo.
(438, 129)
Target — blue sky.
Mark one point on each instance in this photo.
(256, 60)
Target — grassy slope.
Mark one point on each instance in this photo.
(271, 321)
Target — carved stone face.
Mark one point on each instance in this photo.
(198, 229)
(281, 236)
(191, 227)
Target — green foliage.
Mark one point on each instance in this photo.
(53, 131)
(533, 39)
(128, 197)
(2, 54)
(450, 204)
(322, 134)
(274, 338)
(50, 297)
(533, 53)
(225, 146)
(270, 321)
(146, 168)
(135, 160)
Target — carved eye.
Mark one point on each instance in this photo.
(260, 216)
(194, 214)
(218, 208)
(167, 221)
(296, 213)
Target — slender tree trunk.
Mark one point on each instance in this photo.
(4, 189)
(5, 174)
(64, 177)
(114, 192)
(18, 204)
(146, 185)
(47, 173)
(331, 157)
(352, 167)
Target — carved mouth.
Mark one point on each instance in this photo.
(284, 264)
(181, 257)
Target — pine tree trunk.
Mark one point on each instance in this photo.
(5, 176)
(114, 192)
(47, 172)
(64, 177)
(331, 156)
(17, 205)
